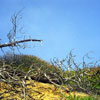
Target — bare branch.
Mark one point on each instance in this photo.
(17, 42)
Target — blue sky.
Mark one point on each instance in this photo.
(63, 25)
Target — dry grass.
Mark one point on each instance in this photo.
(37, 90)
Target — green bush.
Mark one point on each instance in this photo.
(70, 97)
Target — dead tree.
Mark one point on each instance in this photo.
(77, 77)
(12, 35)
(13, 76)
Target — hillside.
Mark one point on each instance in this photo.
(27, 76)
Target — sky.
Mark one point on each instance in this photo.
(63, 25)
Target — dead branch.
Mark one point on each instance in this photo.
(17, 42)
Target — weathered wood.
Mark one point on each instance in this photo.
(17, 42)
